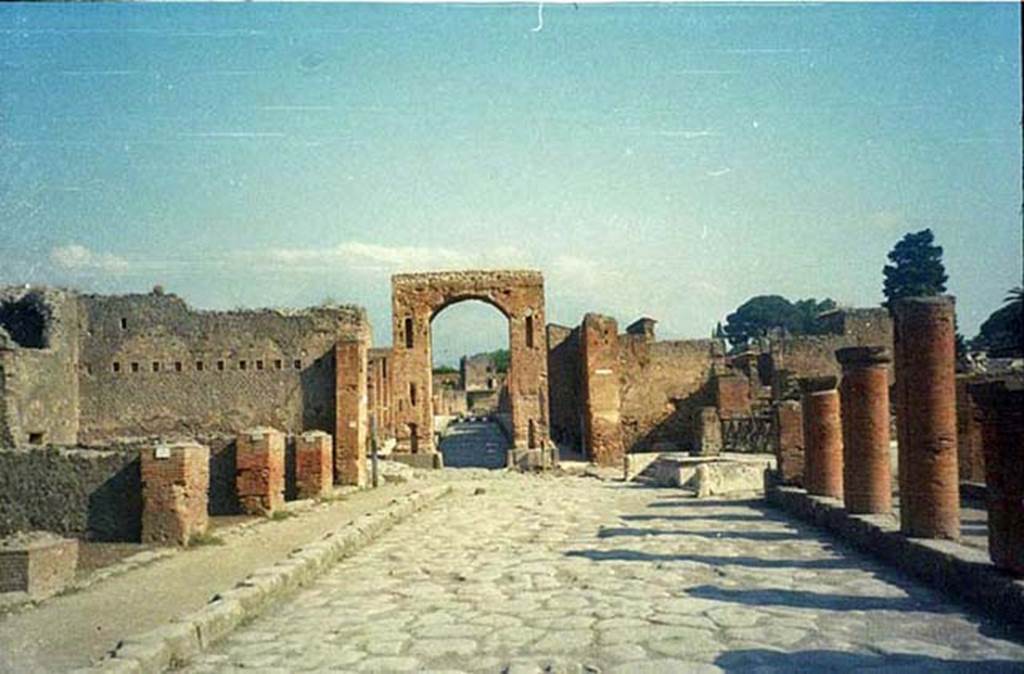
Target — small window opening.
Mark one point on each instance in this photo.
(278, 364)
(408, 333)
(220, 365)
(117, 366)
(177, 366)
(412, 394)
(384, 368)
(88, 369)
(135, 367)
(35, 438)
(414, 439)
(297, 364)
(156, 366)
(259, 364)
(529, 332)
(124, 323)
(199, 366)
(242, 365)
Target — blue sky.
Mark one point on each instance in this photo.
(668, 160)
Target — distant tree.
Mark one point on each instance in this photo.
(718, 332)
(444, 369)
(1002, 333)
(762, 314)
(916, 268)
(501, 359)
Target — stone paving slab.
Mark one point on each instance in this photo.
(76, 629)
(527, 573)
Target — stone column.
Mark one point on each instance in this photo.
(175, 484)
(864, 394)
(709, 429)
(925, 356)
(789, 442)
(823, 437)
(351, 415)
(259, 476)
(1001, 406)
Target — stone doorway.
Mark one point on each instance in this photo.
(417, 298)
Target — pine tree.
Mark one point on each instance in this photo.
(916, 268)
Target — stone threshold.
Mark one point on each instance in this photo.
(964, 574)
(174, 644)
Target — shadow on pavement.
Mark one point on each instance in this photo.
(764, 660)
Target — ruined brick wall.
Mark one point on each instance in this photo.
(39, 393)
(663, 387)
(814, 355)
(152, 365)
(479, 372)
(564, 384)
(600, 371)
(379, 391)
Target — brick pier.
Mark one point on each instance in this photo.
(864, 396)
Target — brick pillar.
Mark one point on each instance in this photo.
(259, 464)
(789, 442)
(823, 437)
(314, 464)
(925, 356)
(969, 449)
(864, 394)
(1001, 407)
(351, 417)
(599, 355)
(732, 395)
(175, 484)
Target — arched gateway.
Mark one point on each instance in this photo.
(417, 298)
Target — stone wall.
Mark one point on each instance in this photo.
(152, 365)
(663, 386)
(564, 384)
(814, 355)
(39, 393)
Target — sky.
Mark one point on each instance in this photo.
(662, 160)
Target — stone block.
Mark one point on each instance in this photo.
(314, 466)
(175, 488)
(37, 563)
(425, 461)
(709, 432)
(259, 463)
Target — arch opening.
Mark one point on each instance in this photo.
(469, 358)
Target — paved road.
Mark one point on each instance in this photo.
(543, 573)
(477, 444)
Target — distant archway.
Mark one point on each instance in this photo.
(417, 298)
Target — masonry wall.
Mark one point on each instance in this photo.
(663, 386)
(39, 393)
(151, 365)
(564, 384)
(814, 355)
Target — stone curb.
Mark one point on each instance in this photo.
(185, 637)
(964, 574)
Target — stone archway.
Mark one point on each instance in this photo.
(417, 298)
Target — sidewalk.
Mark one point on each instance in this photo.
(76, 629)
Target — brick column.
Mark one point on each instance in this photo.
(314, 465)
(599, 356)
(925, 355)
(864, 394)
(352, 416)
(175, 488)
(969, 448)
(259, 462)
(1001, 406)
(823, 437)
(789, 442)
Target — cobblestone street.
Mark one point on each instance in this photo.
(525, 573)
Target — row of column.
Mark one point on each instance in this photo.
(176, 480)
(845, 434)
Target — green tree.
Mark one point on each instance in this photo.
(1002, 333)
(916, 268)
(762, 314)
(501, 358)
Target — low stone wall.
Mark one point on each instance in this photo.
(96, 493)
(964, 573)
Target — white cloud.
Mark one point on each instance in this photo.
(75, 257)
(372, 257)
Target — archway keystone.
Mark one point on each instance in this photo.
(417, 298)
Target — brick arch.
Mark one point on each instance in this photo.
(416, 299)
